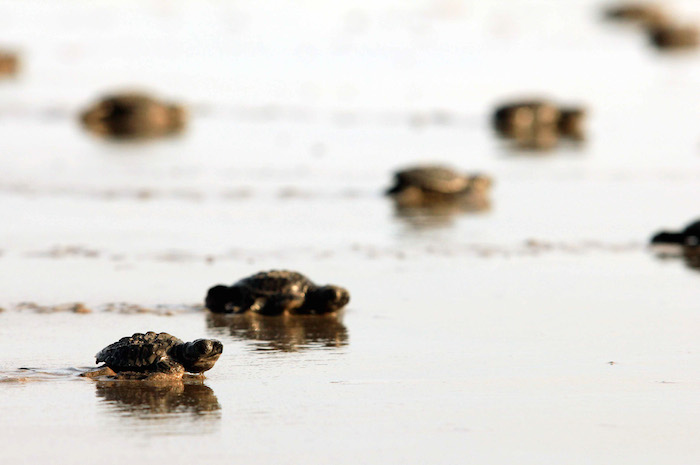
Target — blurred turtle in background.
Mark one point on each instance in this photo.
(684, 243)
(538, 124)
(674, 36)
(274, 293)
(687, 237)
(133, 115)
(664, 32)
(433, 186)
(9, 63)
(514, 118)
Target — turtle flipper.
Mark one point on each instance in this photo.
(169, 366)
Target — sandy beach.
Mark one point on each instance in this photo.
(541, 330)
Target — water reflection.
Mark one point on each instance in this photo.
(286, 333)
(440, 215)
(689, 255)
(150, 401)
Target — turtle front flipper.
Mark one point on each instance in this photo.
(170, 367)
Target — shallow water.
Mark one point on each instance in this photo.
(540, 330)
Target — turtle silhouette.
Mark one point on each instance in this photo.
(133, 115)
(158, 353)
(434, 185)
(275, 292)
(688, 237)
(539, 124)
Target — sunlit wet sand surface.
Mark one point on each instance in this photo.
(538, 330)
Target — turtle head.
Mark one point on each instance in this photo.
(326, 299)
(399, 185)
(571, 121)
(178, 117)
(200, 355)
(217, 298)
(480, 183)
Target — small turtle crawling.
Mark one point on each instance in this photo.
(274, 292)
(538, 124)
(133, 115)
(688, 237)
(153, 353)
(425, 186)
(513, 118)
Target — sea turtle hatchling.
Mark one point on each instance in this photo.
(430, 185)
(513, 118)
(538, 123)
(133, 115)
(688, 237)
(153, 353)
(274, 292)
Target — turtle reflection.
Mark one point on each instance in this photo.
(691, 256)
(286, 332)
(149, 400)
(440, 215)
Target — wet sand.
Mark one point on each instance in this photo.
(540, 330)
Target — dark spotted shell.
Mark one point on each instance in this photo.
(433, 178)
(138, 352)
(277, 282)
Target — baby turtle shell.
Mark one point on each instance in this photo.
(275, 292)
(431, 178)
(133, 115)
(160, 352)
